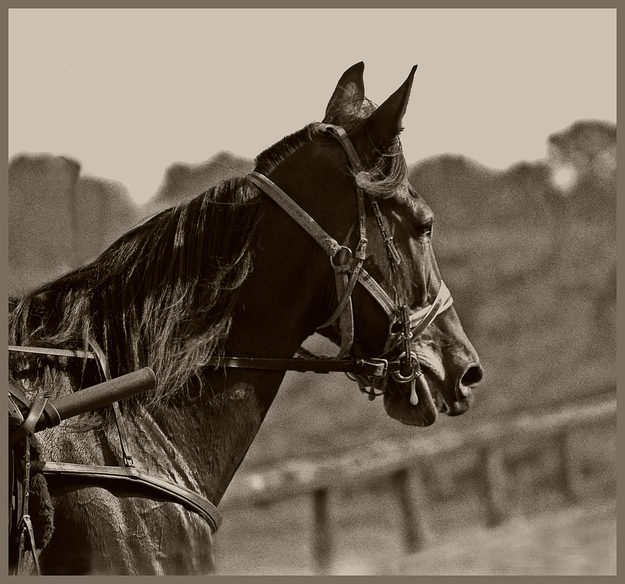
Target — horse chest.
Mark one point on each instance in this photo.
(102, 532)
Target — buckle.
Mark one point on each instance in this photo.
(375, 367)
(361, 250)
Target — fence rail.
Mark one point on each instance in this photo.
(493, 441)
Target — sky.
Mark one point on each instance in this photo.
(128, 92)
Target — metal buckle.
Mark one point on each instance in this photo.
(374, 367)
(361, 249)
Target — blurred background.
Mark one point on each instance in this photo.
(525, 482)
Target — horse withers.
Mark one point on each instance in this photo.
(216, 296)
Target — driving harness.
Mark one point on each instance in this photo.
(23, 417)
(370, 373)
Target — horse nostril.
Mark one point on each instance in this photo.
(472, 376)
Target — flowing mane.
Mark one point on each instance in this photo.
(270, 158)
(161, 296)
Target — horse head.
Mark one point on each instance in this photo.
(449, 361)
(357, 148)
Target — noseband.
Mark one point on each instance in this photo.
(349, 270)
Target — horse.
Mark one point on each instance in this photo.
(216, 295)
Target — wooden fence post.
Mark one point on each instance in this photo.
(322, 538)
(570, 477)
(494, 485)
(414, 530)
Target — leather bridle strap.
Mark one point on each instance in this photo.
(328, 243)
(342, 265)
(119, 420)
(421, 319)
(370, 367)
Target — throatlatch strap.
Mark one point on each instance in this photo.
(328, 243)
(344, 285)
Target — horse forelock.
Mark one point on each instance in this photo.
(385, 179)
(161, 296)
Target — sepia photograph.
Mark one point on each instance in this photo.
(312, 291)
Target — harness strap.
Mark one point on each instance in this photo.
(378, 293)
(341, 135)
(28, 426)
(26, 530)
(344, 284)
(346, 316)
(119, 420)
(52, 351)
(25, 527)
(173, 491)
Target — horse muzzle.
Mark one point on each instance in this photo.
(435, 389)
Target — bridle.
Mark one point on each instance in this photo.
(370, 373)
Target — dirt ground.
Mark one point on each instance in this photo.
(545, 532)
(579, 541)
(275, 540)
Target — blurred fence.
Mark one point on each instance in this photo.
(497, 446)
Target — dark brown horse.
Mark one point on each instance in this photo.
(238, 272)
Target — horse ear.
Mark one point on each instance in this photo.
(384, 124)
(347, 98)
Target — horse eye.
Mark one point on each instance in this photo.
(425, 229)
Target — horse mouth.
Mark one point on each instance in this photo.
(434, 400)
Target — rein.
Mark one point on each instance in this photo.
(348, 269)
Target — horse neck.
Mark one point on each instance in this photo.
(279, 305)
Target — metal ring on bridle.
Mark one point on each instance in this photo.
(415, 370)
(345, 263)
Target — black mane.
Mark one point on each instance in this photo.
(160, 296)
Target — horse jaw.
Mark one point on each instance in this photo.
(397, 405)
